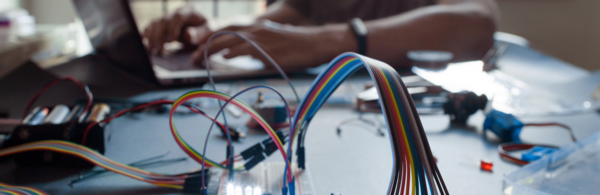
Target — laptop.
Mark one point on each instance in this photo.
(112, 30)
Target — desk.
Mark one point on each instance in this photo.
(357, 162)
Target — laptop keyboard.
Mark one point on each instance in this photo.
(175, 62)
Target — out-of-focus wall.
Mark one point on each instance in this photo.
(62, 11)
(50, 11)
(8, 4)
(566, 29)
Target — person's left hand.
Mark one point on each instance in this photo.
(292, 47)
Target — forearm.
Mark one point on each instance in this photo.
(283, 13)
(465, 29)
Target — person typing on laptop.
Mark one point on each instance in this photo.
(304, 33)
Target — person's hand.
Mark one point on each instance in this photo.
(183, 25)
(292, 47)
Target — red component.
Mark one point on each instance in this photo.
(486, 165)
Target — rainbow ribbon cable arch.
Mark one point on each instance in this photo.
(414, 171)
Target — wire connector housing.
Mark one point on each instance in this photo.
(193, 184)
(506, 126)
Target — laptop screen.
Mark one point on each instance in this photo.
(114, 35)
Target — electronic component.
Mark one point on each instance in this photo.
(527, 156)
(482, 163)
(72, 132)
(263, 179)
(462, 105)
(273, 111)
(38, 116)
(536, 153)
(75, 113)
(486, 165)
(508, 128)
(57, 115)
(193, 183)
(98, 113)
(31, 114)
(257, 153)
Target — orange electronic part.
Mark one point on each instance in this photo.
(486, 165)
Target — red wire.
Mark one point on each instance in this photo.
(124, 111)
(80, 84)
(503, 150)
(554, 124)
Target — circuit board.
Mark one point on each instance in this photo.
(263, 179)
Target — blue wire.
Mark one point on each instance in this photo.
(221, 110)
(408, 131)
(322, 97)
(212, 83)
(260, 50)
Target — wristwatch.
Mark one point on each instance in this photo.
(360, 32)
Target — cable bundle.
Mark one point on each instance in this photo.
(171, 181)
(219, 96)
(18, 190)
(415, 171)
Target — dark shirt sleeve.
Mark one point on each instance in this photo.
(303, 6)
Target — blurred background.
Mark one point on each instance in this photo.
(566, 29)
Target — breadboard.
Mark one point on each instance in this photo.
(266, 176)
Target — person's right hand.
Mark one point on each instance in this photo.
(174, 27)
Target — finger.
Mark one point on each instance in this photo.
(193, 35)
(229, 28)
(248, 49)
(240, 50)
(158, 36)
(145, 36)
(175, 26)
(149, 34)
(216, 45)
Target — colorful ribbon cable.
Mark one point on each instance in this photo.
(17, 190)
(171, 181)
(219, 96)
(414, 167)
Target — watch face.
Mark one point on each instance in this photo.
(430, 56)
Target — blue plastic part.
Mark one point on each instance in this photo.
(536, 153)
(284, 191)
(292, 186)
(506, 126)
(280, 114)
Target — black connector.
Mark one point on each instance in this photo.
(250, 152)
(270, 145)
(255, 153)
(193, 184)
(281, 136)
(301, 159)
(255, 160)
(229, 152)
